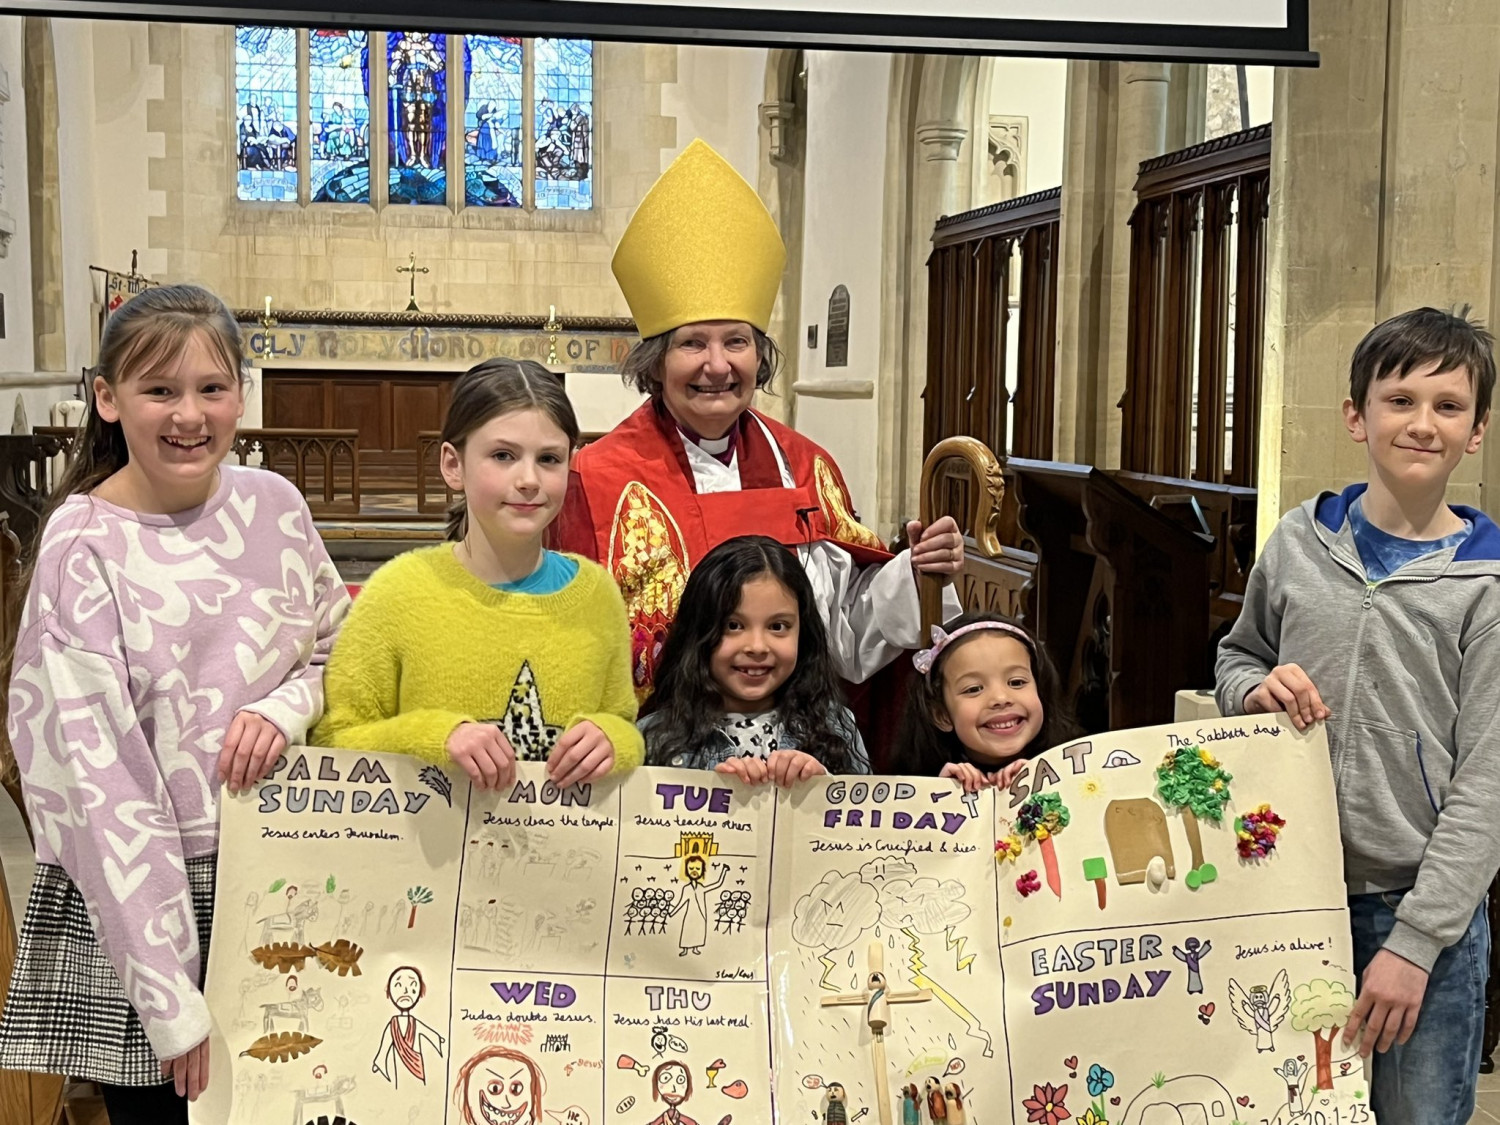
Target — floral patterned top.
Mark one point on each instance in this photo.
(141, 637)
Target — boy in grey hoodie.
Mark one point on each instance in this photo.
(1378, 610)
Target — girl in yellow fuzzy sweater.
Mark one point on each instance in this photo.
(490, 648)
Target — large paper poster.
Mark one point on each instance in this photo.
(1147, 928)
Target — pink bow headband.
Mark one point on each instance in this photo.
(924, 660)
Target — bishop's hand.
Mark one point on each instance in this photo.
(936, 550)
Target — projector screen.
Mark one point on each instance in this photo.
(1246, 31)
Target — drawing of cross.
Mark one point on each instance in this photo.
(876, 999)
(412, 268)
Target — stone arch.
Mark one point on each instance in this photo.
(929, 173)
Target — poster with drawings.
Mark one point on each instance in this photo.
(671, 948)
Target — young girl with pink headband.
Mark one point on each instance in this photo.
(987, 699)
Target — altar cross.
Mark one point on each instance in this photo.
(876, 1000)
(412, 268)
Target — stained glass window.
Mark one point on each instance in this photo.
(338, 75)
(493, 158)
(417, 64)
(347, 135)
(563, 125)
(265, 84)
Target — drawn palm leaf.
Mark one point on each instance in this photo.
(283, 956)
(436, 780)
(281, 1046)
(340, 957)
(419, 896)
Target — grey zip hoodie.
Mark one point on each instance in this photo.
(1410, 669)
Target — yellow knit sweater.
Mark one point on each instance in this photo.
(427, 646)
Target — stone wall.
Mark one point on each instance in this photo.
(346, 256)
(1382, 199)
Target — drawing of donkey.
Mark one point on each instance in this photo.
(288, 925)
(311, 1000)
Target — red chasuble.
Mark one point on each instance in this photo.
(633, 507)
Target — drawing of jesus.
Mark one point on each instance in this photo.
(404, 1033)
(671, 1083)
(694, 902)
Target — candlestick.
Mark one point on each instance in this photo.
(552, 327)
(268, 304)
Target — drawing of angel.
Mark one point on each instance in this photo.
(1261, 1010)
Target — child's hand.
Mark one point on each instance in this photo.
(485, 754)
(971, 777)
(1287, 688)
(1390, 997)
(787, 767)
(188, 1071)
(583, 753)
(937, 550)
(251, 746)
(1003, 777)
(751, 771)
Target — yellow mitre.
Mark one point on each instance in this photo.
(701, 246)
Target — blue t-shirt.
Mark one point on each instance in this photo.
(555, 572)
(1383, 553)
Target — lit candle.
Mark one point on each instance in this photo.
(552, 312)
(268, 304)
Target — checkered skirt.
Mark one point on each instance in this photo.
(67, 1012)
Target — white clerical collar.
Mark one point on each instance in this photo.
(717, 446)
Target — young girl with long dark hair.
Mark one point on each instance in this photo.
(745, 684)
(987, 699)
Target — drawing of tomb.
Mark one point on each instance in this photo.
(1137, 833)
(1193, 1099)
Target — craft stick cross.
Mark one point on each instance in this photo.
(876, 1000)
(412, 268)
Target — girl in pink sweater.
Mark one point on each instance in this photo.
(176, 622)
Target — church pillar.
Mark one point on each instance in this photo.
(1187, 105)
(1382, 199)
(783, 155)
(1117, 116)
(928, 175)
(40, 82)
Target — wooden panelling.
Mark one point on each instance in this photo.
(971, 278)
(1198, 276)
(388, 409)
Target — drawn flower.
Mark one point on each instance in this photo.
(1090, 1117)
(1028, 884)
(1099, 1080)
(1091, 787)
(1046, 1104)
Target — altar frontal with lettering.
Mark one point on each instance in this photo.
(1147, 926)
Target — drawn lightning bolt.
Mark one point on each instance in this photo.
(829, 964)
(949, 1001)
(957, 945)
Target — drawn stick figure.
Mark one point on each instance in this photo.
(1193, 957)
